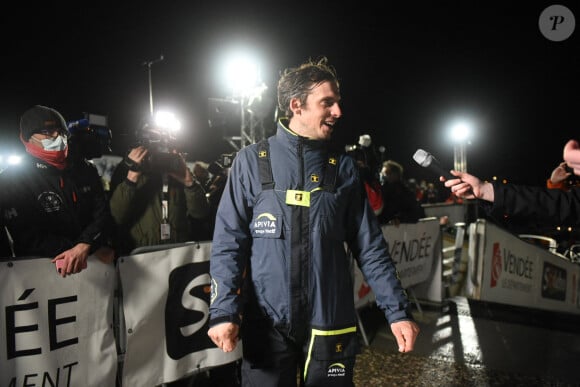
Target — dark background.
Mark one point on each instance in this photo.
(406, 71)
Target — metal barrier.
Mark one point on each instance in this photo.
(452, 260)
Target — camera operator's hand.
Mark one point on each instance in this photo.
(182, 174)
(136, 156)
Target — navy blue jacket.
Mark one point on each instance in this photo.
(294, 255)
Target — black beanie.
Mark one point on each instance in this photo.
(40, 118)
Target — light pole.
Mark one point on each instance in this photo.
(149, 64)
(459, 158)
(460, 133)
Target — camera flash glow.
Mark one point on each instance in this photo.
(167, 120)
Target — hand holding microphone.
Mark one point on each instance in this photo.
(464, 185)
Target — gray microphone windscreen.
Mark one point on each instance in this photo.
(423, 158)
(426, 160)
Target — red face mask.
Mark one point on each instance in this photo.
(54, 158)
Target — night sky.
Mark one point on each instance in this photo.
(406, 71)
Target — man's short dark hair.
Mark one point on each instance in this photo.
(297, 82)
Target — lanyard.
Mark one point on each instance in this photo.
(165, 229)
(164, 199)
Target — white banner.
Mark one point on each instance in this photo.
(166, 306)
(413, 248)
(56, 331)
(518, 273)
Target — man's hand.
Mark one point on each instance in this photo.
(136, 155)
(572, 155)
(467, 186)
(75, 259)
(183, 174)
(406, 333)
(225, 336)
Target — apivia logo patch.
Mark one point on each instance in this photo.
(336, 369)
(266, 225)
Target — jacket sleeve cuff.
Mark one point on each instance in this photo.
(222, 319)
(130, 183)
(551, 185)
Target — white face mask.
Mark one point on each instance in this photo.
(54, 144)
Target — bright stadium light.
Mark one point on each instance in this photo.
(461, 131)
(242, 74)
(240, 115)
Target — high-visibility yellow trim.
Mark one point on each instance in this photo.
(318, 332)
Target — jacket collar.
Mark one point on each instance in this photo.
(286, 134)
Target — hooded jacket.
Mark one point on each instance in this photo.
(290, 240)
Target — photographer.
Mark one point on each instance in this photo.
(153, 193)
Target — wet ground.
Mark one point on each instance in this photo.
(473, 343)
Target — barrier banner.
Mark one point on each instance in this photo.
(56, 331)
(518, 273)
(166, 306)
(414, 248)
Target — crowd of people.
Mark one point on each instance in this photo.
(55, 205)
(278, 220)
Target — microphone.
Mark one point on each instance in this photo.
(427, 160)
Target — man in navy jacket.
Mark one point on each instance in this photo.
(279, 265)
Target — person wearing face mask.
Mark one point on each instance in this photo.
(53, 205)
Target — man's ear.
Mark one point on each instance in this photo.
(295, 106)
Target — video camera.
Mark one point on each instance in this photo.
(219, 166)
(160, 143)
(226, 159)
(89, 137)
(365, 155)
